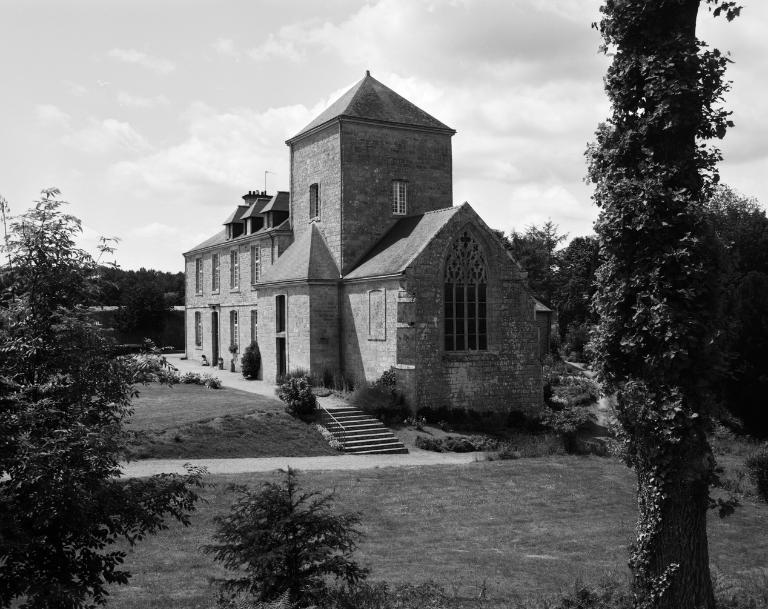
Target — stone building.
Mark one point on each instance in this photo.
(366, 265)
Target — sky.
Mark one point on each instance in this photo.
(153, 117)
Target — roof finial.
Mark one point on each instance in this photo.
(367, 72)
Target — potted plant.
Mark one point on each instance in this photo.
(233, 351)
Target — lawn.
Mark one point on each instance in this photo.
(186, 421)
(515, 527)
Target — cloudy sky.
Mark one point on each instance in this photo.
(154, 116)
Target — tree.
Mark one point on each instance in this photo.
(656, 297)
(741, 226)
(575, 283)
(535, 251)
(280, 540)
(63, 401)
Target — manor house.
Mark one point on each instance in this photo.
(366, 265)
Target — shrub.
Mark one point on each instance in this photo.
(333, 442)
(281, 540)
(194, 378)
(608, 596)
(576, 339)
(757, 466)
(417, 422)
(383, 403)
(461, 444)
(251, 361)
(297, 394)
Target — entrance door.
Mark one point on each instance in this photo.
(281, 360)
(214, 339)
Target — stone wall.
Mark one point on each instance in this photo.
(243, 298)
(369, 351)
(373, 157)
(506, 376)
(324, 327)
(316, 159)
(297, 331)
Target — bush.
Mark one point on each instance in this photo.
(194, 378)
(757, 466)
(251, 361)
(281, 540)
(459, 444)
(576, 339)
(385, 404)
(297, 394)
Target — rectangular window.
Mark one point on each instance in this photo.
(280, 313)
(255, 264)
(377, 315)
(198, 275)
(215, 272)
(273, 253)
(254, 324)
(234, 269)
(465, 317)
(198, 330)
(399, 197)
(314, 202)
(234, 330)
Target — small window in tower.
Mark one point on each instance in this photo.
(314, 202)
(399, 197)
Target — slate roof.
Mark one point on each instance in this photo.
(371, 100)
(279, 202)
(237, 215)
(540, 307)
(221, 237)
(307, 258)
(400, 246)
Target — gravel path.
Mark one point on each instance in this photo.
(149, 467)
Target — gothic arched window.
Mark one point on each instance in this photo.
(465, 297)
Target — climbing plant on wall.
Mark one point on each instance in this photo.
(657, 296)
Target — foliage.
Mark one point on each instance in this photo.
(741, 226)
(575, 283)
(535, 251)
(417, 422)
(118, 284)
(757, 466)
(63, 400)
(456, 444)
(195, 378)
(251, 361)
(576, 339)
(657, 287)
(330, 438)
(280, 539)
(381, 596)
(384, 403)
(297, 394)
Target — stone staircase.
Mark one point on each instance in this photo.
(360, 433)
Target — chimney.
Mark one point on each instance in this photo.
(250, 197)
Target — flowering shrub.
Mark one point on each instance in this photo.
(206, 380)
(297, 394)
(330, 438)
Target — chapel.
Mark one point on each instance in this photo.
(366, 266)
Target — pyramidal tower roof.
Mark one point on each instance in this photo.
(369, 100)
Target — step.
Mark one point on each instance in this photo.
(364, 434)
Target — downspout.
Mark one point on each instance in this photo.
(340, 293)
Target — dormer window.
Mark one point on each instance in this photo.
(399, 197)
(314, 202)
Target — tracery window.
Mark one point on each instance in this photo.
(465, 297)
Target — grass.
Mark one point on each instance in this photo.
(513, 527)
(188, 421)
(159, 406)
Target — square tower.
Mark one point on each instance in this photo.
(367, 161)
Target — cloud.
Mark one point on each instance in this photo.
(155, 64)
(107, 135)
(284, 45)
(221, 149)
(226, 48)
(52, 115)
(156, 229)
(134, 101)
